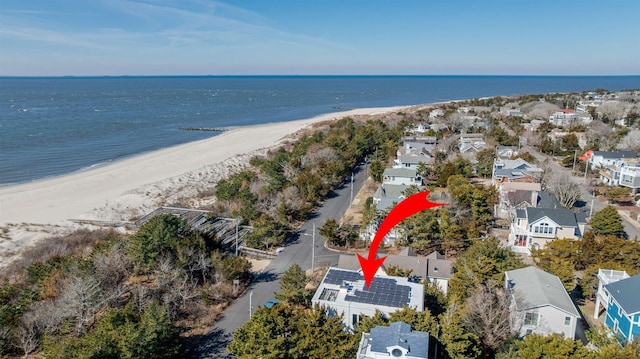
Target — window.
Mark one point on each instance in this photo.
(531, 319)
(620, 311)
(355, 319)
(543, 228)
(615, 326)
(567, 321)
(626, 178)
(520, 241)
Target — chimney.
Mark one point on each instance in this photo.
(534, 198)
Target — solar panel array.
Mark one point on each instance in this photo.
(382, 291)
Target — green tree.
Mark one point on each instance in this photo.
(162, 234)
(607, 221)
(293, 283)
(535, 346)
(483, 261)
(291, 332)
(485, 160)
(459, 342)
(616, 194)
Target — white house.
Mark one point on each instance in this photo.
(540, 304)
(568, 117)
(412, 160)
(433, 268)
(598, 159)
(534, 227)
(343, 292)
(395, 341)
(436, 113)
(406, 176)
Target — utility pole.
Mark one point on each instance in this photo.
(250, 304)
(351, 190)
(591, 209)
(237, 220)
(575, 154)
(586, 167)
(313, 248)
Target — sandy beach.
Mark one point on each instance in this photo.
(126, 189)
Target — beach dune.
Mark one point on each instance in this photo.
(128, 187)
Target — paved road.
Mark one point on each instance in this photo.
(267, 282)
(587, 197)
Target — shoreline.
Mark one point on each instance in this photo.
(129, 187)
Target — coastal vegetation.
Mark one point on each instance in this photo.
(102, 294)
(282, 188)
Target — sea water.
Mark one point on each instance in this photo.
(53, 126)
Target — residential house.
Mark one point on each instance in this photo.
(512, 198)
(395, 341)
(412, 160)
(420, 129)
(417, 144)
(605, 277)
(517, 170)
(630, 177)
(469, 139)
(533, 125)
(386, 197)
(343, 293)
(406, 176)
(433, 268)
(540, 304)
(511, 111)
(568, 117)
(602, 159)
(436, 113)
(506, 152)
(534, 227)
(623, 308)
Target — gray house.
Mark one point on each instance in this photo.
(540, 304)
(394, 341)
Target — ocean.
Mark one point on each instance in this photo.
(54, 126)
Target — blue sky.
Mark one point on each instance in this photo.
(423, 37)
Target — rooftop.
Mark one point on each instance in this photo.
(533, 287)
(341, 285)
(399, 334)
(626, 292)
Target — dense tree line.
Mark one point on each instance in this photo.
(282, 188)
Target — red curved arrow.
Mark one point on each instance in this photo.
(407, 208)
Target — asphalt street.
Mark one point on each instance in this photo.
(298, 251)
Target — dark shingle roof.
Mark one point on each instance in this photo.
(627, 293)
(615, 154)
(547, 200)
(399, 334)
(563, 217)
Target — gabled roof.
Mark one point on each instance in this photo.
(533, 287)
(615, 154)
(432, 266)
(400, 172)
(627, 293)
(415, 158)
(547, 200)
(399, 334)
(561, 216)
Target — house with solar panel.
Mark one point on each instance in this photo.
(343, 292)
(540, 304)
(394, 341)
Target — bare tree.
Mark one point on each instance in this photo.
(488, 315)
(567, 192)
(111, 267)
(27, 338)
(81, 297)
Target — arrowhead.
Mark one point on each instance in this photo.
(369, 267)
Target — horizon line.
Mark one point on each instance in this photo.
(307, 75)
